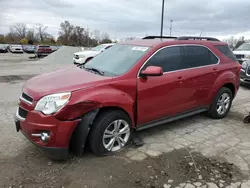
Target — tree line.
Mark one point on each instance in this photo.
(69, 34)
(234, 43)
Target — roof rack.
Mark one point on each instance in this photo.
(197, 38)
(159, 37)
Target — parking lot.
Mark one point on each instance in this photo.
(193, 152)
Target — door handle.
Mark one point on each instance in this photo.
(179, 78)
(215, 69)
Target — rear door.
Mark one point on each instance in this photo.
(203, 72)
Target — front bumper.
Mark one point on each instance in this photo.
(79, 61)
(245, 77)
(60, 133)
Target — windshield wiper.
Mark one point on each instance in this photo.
(95, 70)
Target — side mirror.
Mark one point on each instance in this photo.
(152, 71)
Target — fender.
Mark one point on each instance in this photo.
(95, 98)
(225, 78)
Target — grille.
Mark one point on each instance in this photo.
(27, 98)
(248, 70)
(239, 56)
(77, 56)
(22, 113)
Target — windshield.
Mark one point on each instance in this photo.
(98, 48)
(117, 60)
(245, 46)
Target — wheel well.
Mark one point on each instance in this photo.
(79, 136)
(88, 59)
(231, 87)
(113, 108)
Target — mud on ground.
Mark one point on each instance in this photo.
(32, 169)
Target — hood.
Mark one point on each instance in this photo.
(63, 80)
(241, 52)
(87, 53)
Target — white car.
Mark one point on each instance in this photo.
(242, 53)
(16, 49)
(84, 56)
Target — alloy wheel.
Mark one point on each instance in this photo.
(116, 135)
(223, 103)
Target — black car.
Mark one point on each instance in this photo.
(29, 49)
(3, 49)
(245, 73)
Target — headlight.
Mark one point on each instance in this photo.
(52, 103)
(247, 56)
(244, 65)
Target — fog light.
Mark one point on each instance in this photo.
(45, 137)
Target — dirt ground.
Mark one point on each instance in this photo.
(34, 170)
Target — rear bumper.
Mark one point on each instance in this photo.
(60, 133)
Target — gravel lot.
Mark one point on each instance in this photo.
(194, 152)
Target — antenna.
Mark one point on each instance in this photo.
(202, 32)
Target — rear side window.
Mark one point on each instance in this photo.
(227, 52)
(197, 56)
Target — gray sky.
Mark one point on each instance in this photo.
(123, 18)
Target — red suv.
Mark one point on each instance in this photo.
(132, 86)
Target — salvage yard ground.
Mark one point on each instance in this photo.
(193, 152)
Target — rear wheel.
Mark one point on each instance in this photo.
(111, 132)
(221, 104)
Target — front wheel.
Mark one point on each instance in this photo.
(111, 132)
(221, 104)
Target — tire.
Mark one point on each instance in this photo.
(214, 110)
(104, 124)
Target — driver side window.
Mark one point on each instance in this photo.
(169, 59)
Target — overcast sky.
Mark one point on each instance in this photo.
(123, 18)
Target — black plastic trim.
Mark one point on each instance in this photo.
(171, 118)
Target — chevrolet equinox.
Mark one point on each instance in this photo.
(134, 85)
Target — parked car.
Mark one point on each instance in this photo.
(245, 73)
(54, 48)
(42, 50)
(16, 48)
(132, 86)
(242, 53)
(3, 49)
(84, 56)
(29, 49)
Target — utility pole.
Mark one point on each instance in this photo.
(171, 22)
(162, 17)
(88, 36)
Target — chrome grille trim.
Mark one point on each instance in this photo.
(25, 99)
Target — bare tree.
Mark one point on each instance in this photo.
(231, 42)
(31, 35)
(66, 31)
(41, 32)
(96, 34)
(19, 30)
(105, 38)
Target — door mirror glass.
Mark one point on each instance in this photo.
(152, 71)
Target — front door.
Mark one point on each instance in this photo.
(166, 95)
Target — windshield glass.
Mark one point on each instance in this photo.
(245, 46)
(98, 48)
(117, 60)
